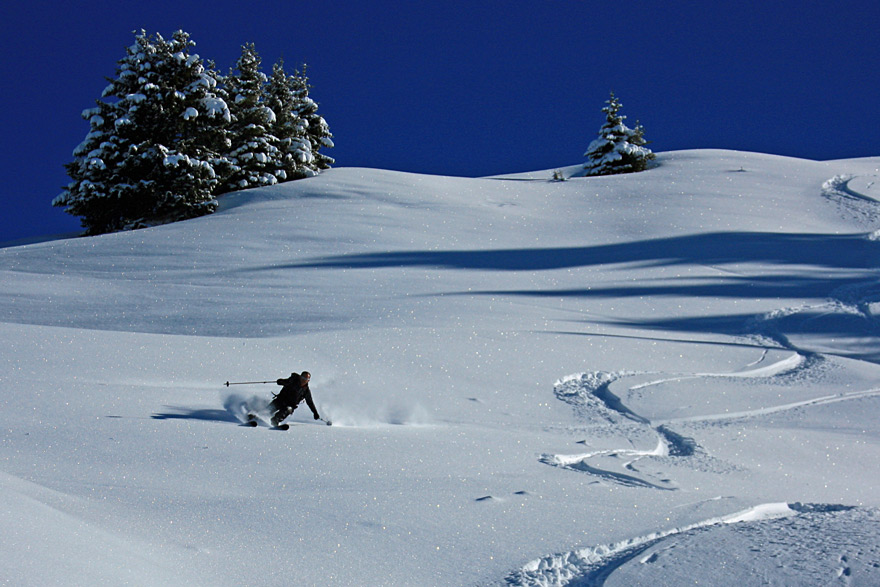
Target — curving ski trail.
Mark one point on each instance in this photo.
(804, 543)
(591, 397)
(819, 401)
(591, 566)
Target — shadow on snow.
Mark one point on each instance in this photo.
(207, 415)
(824, 250)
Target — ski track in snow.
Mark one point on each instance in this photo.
(591, 566)
(591, 397)
(776, 530)
(855, 195)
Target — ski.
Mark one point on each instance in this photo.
(253, 421)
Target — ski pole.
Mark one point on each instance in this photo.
(227, 384)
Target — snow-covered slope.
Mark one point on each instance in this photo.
(614, 380)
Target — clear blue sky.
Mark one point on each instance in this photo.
(466, 88)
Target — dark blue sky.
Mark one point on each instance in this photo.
(467, 88)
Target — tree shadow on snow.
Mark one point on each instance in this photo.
(758, 286)
(822, 250)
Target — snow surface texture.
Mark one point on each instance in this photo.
(659, 378)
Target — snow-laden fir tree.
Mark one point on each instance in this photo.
(253, 152)
(153, 142)
(168, 134)
(93, 172)
(618, 149)
(294, 147)
(317, 130)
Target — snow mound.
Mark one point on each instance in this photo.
(605, 376)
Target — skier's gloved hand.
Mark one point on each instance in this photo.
(317, 417)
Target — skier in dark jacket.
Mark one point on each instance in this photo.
(294, 390)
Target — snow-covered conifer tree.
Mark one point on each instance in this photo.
(152, 148)
(618, 149)
(92, 171)
(253, 152)
(289, 130)
(317, 130)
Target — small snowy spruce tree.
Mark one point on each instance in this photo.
(253, 152)
(96, 159)
(317, 130)
(618, 149)
(152, 146)
(289, 130)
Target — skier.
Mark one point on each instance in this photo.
(294, 390)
